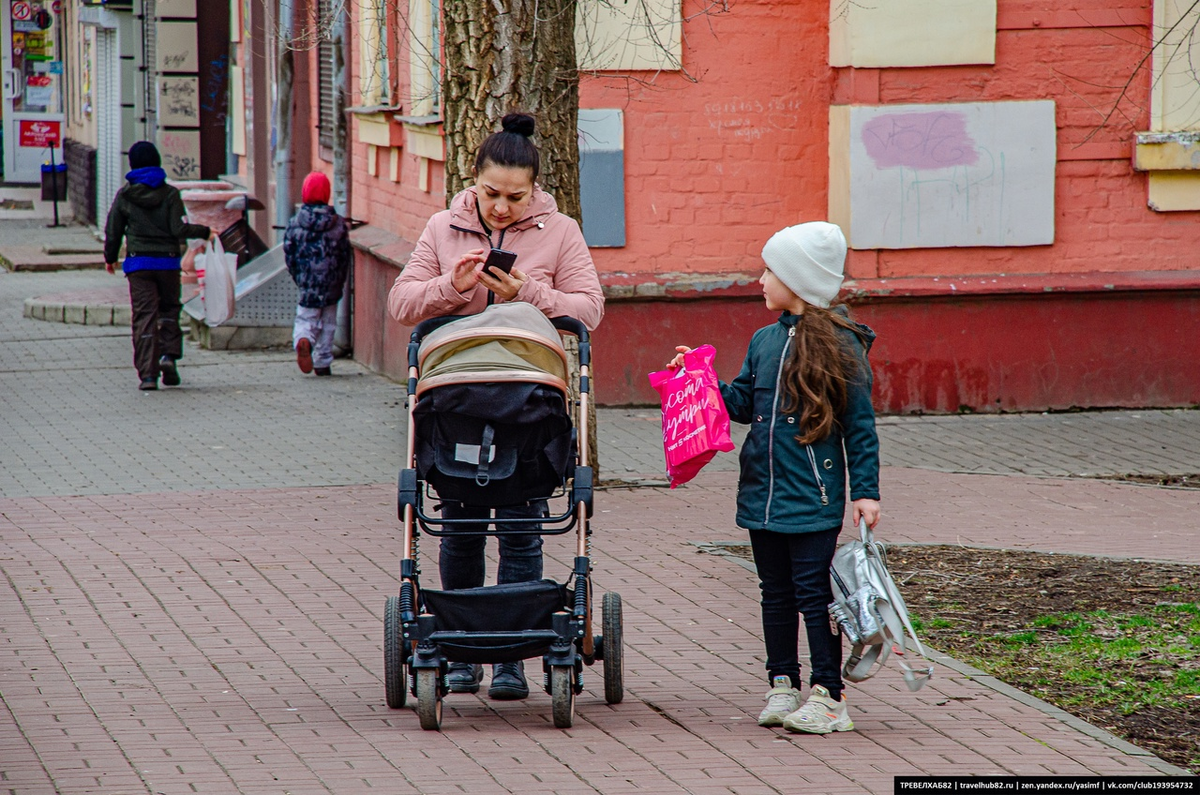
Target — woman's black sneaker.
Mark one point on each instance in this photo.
(170, 372)
(148, 384)
(464, 677)
(508, 682)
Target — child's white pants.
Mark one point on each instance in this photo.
(318, 326)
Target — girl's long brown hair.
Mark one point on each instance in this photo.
(816, 376)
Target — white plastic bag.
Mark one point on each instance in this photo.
(220, 276)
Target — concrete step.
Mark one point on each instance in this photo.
(36, 258)
(107, 306)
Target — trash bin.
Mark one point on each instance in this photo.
(54, 182)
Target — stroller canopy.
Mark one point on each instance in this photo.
(511, 342)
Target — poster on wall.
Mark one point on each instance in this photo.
(180, 150)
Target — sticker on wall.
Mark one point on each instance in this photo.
(933, 176)
(180, 151)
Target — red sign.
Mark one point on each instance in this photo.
(21, 11)
(40, 134)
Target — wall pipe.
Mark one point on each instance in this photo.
(285, 158)
(343, 339)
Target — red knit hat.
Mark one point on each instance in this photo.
(316, 189)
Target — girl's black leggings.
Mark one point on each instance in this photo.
(794, 573)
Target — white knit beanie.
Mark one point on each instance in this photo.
(808, 258)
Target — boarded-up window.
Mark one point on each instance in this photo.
(326, 96)
(646, 34)
(602, 176)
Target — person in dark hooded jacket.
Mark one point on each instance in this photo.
(316, 248)
(148, 214)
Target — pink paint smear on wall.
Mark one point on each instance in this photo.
(935, 139)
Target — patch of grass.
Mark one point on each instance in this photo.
(1146, 649)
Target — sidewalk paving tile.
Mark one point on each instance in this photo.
(204, 614)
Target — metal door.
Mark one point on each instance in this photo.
(31, 32)
(109, 162)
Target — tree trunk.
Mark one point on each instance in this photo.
(503, 56)
(512, 55)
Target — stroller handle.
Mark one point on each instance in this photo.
(563, 323)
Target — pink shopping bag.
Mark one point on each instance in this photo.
(695, 422)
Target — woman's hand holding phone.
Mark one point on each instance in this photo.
(504, 285)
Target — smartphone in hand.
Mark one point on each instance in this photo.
(500, 260)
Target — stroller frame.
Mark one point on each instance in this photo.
(414, 655)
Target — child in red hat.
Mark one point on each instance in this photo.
(316, 248)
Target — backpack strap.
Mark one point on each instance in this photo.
(482, 477)
(862, 660)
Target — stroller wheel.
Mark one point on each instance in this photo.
(429, 699)
(395, 678)
(613, 655)
(562, 695)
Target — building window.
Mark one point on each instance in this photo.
(375, 67)
(425, 49)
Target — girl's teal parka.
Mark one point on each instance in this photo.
(786, 486)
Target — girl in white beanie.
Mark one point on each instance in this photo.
(805, 391)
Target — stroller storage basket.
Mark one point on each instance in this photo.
(511, 622)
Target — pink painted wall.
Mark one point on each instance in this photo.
(719, 158)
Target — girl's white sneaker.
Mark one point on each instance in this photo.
(782, 700)
(820, 715)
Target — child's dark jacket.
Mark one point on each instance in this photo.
(316, 247)
(149, 214)
(779, 489)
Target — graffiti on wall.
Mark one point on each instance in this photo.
(180, 151)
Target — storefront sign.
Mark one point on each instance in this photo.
(39, 134)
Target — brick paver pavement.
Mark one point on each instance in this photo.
(194, 582)
(231, 641)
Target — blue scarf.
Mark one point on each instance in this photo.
(150, 176)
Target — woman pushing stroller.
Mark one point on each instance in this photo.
(553, 270)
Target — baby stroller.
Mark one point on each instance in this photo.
(490, 426)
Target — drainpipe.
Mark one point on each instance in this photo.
(343, 339)
(284, 157)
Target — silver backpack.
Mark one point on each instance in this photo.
(869, 610)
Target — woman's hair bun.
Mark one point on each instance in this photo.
(519, 123)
